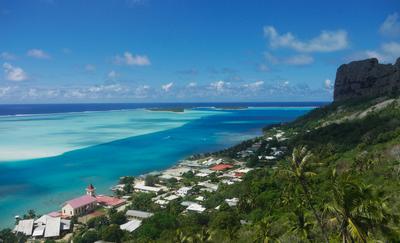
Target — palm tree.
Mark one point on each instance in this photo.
(357, 209)
(181, 237)
(298, 174)
(264, 230)
(203, 235)
(301, 226)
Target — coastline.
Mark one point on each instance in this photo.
(214, 140)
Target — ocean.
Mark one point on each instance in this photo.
(49, 153)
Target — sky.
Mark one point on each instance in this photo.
(73, 51)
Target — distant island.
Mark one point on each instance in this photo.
(176, 109)
(233, 107)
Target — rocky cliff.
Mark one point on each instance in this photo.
(366, 78)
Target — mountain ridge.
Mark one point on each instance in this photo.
(366, 78)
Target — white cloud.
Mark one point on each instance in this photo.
(90, 68)
(14, 73)
(387, 53)
(132, 60)
(142, 91)
(328, 84)
(219, 85)
(38, 53)
(75, 94)
(52, 93)
(255, 85)
(4, 91)
(327, 41)
(192, 84)
(167, 87)
(391, 26)
(7, 56)
(32, 92)
(296, 60)
(391, 48)
(116, 88)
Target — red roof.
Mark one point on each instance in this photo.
(54, 214)
(239, 174)
(110, 201)
(221, 167)
(81, 201)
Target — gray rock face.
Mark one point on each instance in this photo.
(366, 78)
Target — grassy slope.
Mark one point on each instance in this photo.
(342, 136)
(360, 138)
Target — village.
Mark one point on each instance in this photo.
(188, 183)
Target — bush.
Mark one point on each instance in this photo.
(98, 222)
(118, 218)
(112, 233)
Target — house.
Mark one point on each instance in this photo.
(202, 174)
(183, 191)
(55, 214)
(187, 203)
(42, 220)
(191, 163)
(141, 187)
(136, 214)
(227, 182)
(208, 186)
(38, 232)
(239, 174)
(53, 227)
(65, 224)
(110, 202)
(221, 167)
(232, 201)
(199, 198)
(79, 206)
(50, 227)
(177, 171)
(131, 225)
(195, 207)
(25, 227)
(161, 202)
(212, 161)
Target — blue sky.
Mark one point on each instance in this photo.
(54, 51)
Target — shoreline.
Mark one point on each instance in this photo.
(175, 164)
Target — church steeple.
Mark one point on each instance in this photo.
(90, 190)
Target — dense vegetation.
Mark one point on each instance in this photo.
(340, 183)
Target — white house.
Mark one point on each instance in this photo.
(79, 206)
(138, 214)
(140, 186)
(183, 191)
(195, 207)
(131, 225)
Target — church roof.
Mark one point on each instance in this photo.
(81, 201)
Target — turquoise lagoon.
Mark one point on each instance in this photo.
(49, 158)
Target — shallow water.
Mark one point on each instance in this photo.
(114, 144)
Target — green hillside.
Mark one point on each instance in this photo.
(343, 184)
